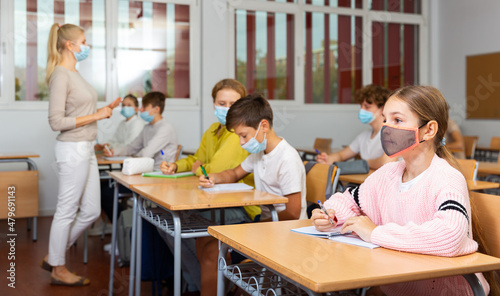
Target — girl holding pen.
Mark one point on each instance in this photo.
(418, 205)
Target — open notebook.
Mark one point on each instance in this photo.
(335, 235)
(230, 187)
(159, 174)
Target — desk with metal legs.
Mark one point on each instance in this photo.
(128, 182)
(178, 200)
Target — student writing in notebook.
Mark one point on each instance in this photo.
(277, 169)
(219, 150)
(367, 144)
(420, 204)
(158, 135)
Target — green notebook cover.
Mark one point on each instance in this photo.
(161, 175)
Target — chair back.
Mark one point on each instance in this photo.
(495, 142)
(321, 181)
(323, 144)
(178, 153)
(469, 168)
(486, 207)
(470, 143)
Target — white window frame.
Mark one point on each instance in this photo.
(7, 83)
(368, 16)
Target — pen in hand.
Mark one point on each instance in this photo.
(164, 159)
(107, 149)
(317, 151)
(326, 213)
(205, 173)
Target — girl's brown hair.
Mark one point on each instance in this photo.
(429, 104)
(58, 36)
(229, 84)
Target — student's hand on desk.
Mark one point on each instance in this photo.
(168, 168)
(321, 221)
(322, 158)
(115, 103)
(361, 225)
(195, 166)
(98, 147)
(108, 152)
(206, 183)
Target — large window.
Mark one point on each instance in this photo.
(265, 53)
(333, 57)
(322, 51)
(153, 48)
(135, 47)
(32, 22)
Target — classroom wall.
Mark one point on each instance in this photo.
(464, 28)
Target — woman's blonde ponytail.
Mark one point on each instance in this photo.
(53, 54)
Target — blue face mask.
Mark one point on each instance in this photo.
(220, 113)
(253, 146)
(146, 117)
(83, 54)
(365, 116)
(127, 111)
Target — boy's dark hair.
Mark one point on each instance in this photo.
(156, 99)
(372, 94)
(133, 99)
(249, 111)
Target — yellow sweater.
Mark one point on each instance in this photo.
(218, 154)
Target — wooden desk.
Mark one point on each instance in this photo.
(175, 198)
(310, 151)
(488, 168)
(356, 179)
(490, 149)
(481, 185)
(129, 181)
(321, 265)
(101, 160)
(189, 151)
(25, 185)
(179, 197)
(138, 180)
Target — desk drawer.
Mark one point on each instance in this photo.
(26, 193)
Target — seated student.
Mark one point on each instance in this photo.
(126, 132)
(418, 205)
(277, 169)
(129, 128)
(454, 139)
(158, 135)
(219, 149)
(372, 99)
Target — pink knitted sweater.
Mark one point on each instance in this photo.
(433, 217)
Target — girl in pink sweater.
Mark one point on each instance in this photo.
(419, 205)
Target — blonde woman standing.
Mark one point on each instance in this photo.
(72, 111)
